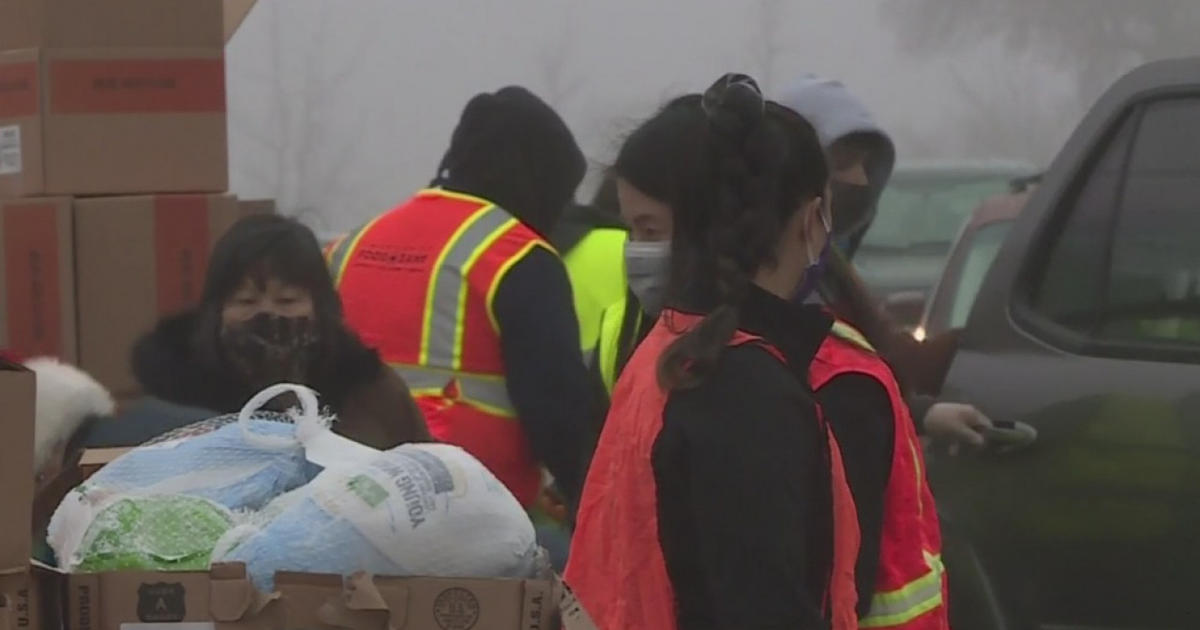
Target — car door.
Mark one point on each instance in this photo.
(1088, 329)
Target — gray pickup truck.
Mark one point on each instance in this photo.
(1087, 329)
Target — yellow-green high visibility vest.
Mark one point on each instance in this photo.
(596, 268)
(622, 327)
(851, 335)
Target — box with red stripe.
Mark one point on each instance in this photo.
(139, 258)
(114, 97)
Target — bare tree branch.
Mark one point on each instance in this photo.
(1002, 112)
(561, 81)
(307, 156)
(768, 44)
(1096, 40)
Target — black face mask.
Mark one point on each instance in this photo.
(852, 206)
(269, 349)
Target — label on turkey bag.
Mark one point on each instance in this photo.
(398, 495)
(417, 478)
(429, 509)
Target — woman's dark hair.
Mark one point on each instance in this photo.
(659, 156)
(605, 200)
(260, 248)
(759, 162)
(844, 291)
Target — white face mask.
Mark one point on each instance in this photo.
(817, 257)
(647, 268)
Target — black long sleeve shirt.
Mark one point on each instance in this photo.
(859, 411)
(548, 382)
(860, 414)
(742, 476)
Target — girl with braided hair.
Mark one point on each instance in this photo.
(717, 496)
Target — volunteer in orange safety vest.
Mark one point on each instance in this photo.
(716, 497)
(458, 291)
(900, 575)
(903, 553)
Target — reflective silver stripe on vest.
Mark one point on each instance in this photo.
(443, 319)
(489, 393)
(591, 356)
(913, 600)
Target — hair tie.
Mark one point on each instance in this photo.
(734, 99)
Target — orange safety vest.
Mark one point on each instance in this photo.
(616, 565)
(910, 591)
(417, 284)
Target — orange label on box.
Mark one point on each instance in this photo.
(18, 89)
(31, 276)
(181, 244)
(136, 86)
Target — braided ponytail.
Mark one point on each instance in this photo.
(759, 161)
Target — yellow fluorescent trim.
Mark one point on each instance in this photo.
(500, 273)
(450, 194)
(349, 253)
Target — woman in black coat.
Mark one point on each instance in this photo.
(269, 314)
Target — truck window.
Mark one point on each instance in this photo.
(981, 251)
(1125, 267)
(1154, 283)
(1069, 289)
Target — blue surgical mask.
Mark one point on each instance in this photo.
(647, 269)
(816, 262)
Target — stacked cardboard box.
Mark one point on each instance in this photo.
(113, 167)
(117, 97)
(17, 391)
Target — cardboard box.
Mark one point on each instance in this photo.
(224, 598)
(37, 281)
(251, 207)
(94, 459)
(25, 590)
(139, 259)
(235, 13)
(114, 97)
(18, 392)
(19, 602)
(112, 23)
(112, 121)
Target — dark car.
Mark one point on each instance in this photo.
(902, 254)
(976, 247)
(1087, 328)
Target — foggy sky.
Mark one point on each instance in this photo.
(340, 109)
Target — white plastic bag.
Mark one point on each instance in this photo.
(151, 507)
(419, 509)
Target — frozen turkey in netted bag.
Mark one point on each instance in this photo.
(159, 533)
(416, 510)
(162, 503)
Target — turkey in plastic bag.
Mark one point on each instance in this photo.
(164, 506)
(416, 510)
